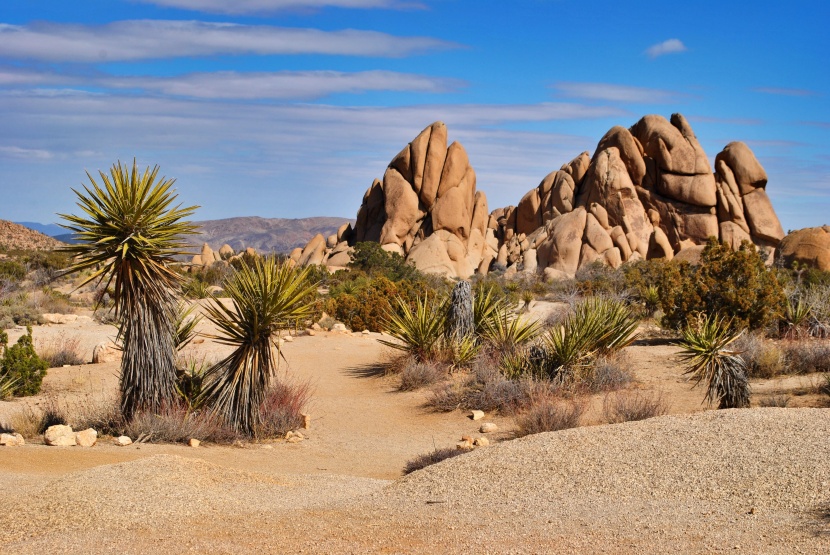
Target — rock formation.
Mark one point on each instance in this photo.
(426, 208)
(809, 246)
(647, 192)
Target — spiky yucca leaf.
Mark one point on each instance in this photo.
(505, 331)
(128, 236)
(487, 304)
(706, 351)
(419, 332)
(597, 325)
(266, 296)
(185, 325)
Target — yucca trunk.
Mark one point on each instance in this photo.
(148, 364)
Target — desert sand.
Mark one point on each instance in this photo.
(694, 481)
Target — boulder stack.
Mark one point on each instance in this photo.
(647, 192)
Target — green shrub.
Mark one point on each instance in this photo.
(371, 258)
(12, 270)
(368, 307)
(732, 284)
(21, 364)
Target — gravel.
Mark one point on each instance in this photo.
(753, 481)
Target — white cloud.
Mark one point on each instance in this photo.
(671, 46)
(271, 6)
(616, 93)
(156, 39)
(294, 85)
(24, 153)
(286, 160)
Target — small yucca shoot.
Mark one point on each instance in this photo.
(706, 350)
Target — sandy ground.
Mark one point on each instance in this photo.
(340, 491)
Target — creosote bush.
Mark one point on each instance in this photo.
(763, 358)
(417, 374)
(62, 351)
(732, 284)
(21, 365)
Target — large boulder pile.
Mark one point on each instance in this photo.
(647, 192)
(426, 209)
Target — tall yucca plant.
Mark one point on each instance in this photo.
(706, 349)
(267, 296)
(128, 235)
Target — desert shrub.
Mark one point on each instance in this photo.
(707, 348)
(549, 414)
(436, 456)
(62, 351)
(283, 408)
(12, 270)
(762, 357)
(420, 332)
(733, 284)
(598, 278)
(416, 374)
(610, 372)
(807, 356)
(779, 401)
(369, 306)
(177, 425)
(627, 406)
(190, 375)
(21, 363)
(371, 258)
(817, 297)
(598, 325)
(486, 388)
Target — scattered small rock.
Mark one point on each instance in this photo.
(467, 438)
(481, 442)
(194, 442)
(311, 332)
(59, 435)
(105, 352)
(339, 326)
(315, 327)
(289, 338)
(488, 428)
(366, 332)
(306, 421)
(86, 438)
(122, 441)
(12, 440)
(464, 445)
(477, 415)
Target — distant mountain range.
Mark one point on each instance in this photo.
(264, 234)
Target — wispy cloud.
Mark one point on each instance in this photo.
(156, 39)
(784, 91)
(816, 123)
(727, 121)
(617, 93)
(288, 85)
(271, 6)
(24, 153)
(273, 151)
(671, 46)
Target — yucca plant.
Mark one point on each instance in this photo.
(504, 331)
(266, 296)
(420, 332)
(487, 304)
(128, 236)
(706, 345)
(597, 325)
(797, 315)
(185, 325)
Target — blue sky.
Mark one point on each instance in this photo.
(289, 108)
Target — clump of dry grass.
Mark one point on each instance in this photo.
(415, 374)
(549, 413)
(808, 355)
(283, 408)
(436, 456)
(763, 358)
(775, 401)
(62, 350)
(610, 372)
(627, 406)
(31, 421)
